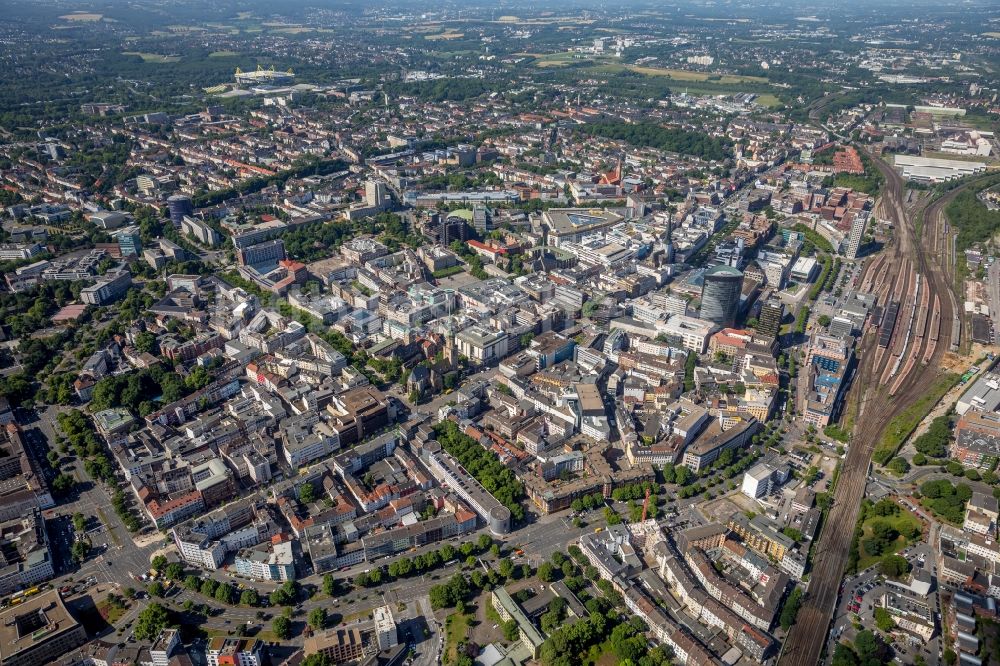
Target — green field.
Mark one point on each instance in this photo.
(557, 59)
(685, 75)
(152, 57)
(613, 66)
(456, 629)
(768, 100)
(903, 522)
(223, 54)
(904, 423)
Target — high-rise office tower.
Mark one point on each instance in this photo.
(771, 314)
(179, 206)
(720, 295)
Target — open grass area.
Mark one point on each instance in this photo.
(559, 59)
(82, 17)
(152, 57)
(456, 629)
(562, 21)
(612, 66)
(768, 100)
(446, 272)
(904, 423)
(111, 613)
(685, 75)
(223, 54)
(903, 522)
(445, 35)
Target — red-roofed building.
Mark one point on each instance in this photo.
(730, 341)
(491, 251)
(848, 161)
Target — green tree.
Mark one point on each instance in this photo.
(330, 585)
(844, 655)
(791, 609)
(546, 572)
(307, 493)
(79, 551)
(506, 568)
(510, 630)
(317, 618)
(249, 597)
(174, 571)
(146, 342)
(63, 485)
(150, 622)
(208, 587)
(156, 589)
(159, 562)
(894, 566)
(282, 628)
(317, 660)
(883, 620)
(224, 593)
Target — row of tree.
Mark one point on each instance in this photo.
(483, 466)
(419, 564)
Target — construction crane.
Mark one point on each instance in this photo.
(645, 505)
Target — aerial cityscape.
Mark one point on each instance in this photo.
(385, 333)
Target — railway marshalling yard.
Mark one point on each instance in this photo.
(903, 356)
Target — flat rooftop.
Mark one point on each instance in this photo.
(38, 619)
(576, 220)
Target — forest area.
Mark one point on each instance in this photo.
(672, 140)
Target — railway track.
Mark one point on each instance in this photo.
(875, 405)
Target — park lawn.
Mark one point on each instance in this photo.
(456, 629)
(223, 54)
(152, 57)
(904, 423)
(903, 522)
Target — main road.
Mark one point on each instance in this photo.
(875, 409)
